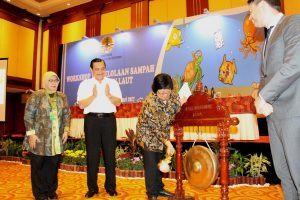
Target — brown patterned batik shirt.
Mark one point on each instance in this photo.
(37, 119)
(153, 126)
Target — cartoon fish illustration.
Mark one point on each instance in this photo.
(174, 39)
(227, 71)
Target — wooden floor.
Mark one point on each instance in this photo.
(15, 184)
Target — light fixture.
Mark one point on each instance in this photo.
(156, 21)
(205, 11)
(68, 4)
(118, 29)
(85, 37)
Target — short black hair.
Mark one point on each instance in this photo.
(162, 81)
(273, 3)
(97, 60)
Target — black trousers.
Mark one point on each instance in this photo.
(100, 132)
(44, 171)
(153, 177)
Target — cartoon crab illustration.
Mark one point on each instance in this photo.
(252, 38)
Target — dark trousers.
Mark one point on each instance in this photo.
(153, 178)
(100, 132)
(44, 171)
(284, 141)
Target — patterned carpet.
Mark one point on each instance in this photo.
(15, 184)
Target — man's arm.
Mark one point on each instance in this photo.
(87, 101)
(113, 99)
(290, 70)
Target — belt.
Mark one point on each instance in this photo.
(101, 115)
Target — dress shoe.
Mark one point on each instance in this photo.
(90, 194)
(53, 197)
(152, 197)
(112, 192)
(165, 193)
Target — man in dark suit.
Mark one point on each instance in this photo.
(279, 93)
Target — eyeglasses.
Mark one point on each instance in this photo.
(53, 80)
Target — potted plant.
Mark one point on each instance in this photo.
(11, 150)
(255, 166)
(74, 157)
(128, 164)
(236, 167)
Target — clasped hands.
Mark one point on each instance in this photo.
(262, 107)
(107, 91)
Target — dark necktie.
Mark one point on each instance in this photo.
(267, 38)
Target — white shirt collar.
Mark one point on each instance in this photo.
(96, 81)
(276, 19)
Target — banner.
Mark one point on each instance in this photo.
(221, 50)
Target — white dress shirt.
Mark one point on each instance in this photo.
(101, 104)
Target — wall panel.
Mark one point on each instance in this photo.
(216, 5)
(291, 7)
(73, 31)
(176, 9)
(25, 53)
(158, 9)
(119, 18)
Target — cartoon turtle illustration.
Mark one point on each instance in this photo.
(193, 70)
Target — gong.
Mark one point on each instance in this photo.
(201, 167)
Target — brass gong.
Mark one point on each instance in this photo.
(201, 167)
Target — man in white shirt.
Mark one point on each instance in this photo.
(279, 94)
(99, 97)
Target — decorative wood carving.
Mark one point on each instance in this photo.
(202, 110)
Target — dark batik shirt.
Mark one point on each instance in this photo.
(155, 119)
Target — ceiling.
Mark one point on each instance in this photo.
(46, 7)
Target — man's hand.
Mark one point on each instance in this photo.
(170, 149)
(65, 137)
(32, 139)
(262, 107)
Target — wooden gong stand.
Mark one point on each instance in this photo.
(202, 110)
